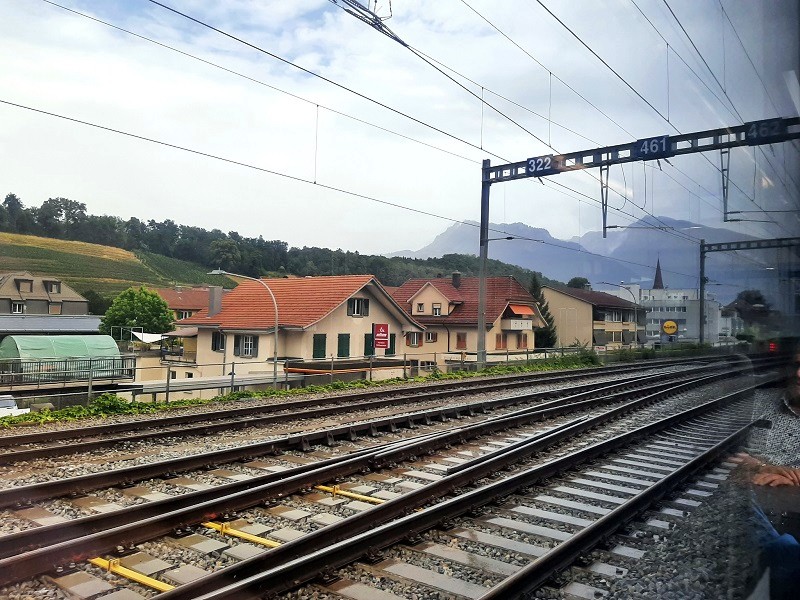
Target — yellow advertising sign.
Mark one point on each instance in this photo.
(669, 327)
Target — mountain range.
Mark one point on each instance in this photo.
(626, 255)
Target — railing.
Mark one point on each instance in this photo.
(178, 355)
(63, 370)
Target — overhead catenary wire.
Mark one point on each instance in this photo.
(309, 182)
(578, 196)
(359, 94)
(382, 29)
(639, 95)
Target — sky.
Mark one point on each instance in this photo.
(296, 121)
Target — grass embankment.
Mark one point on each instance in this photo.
(111, 405)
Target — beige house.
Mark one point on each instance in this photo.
(25, 294)
(448, 308)
(594, 319)
(319, 319)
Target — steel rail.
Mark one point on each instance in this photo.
(245, 417)
(310, 413)
(189, 509)
(566, 553)
(302, 441)
(302, 560)
(412, 393)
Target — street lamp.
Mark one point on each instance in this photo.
(622, 285)
(484, 241)
(275, 304)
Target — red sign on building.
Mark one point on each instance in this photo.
(380, 334)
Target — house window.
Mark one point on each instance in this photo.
(343, 346)
(414, 339)
(189, 375)
(420, 307)
(461, 341)
(431, 336)
(25, 285)
(53, 287)
(437, 310)
(522, 340)
(185, 314)
(358, 307)
(217, 341)
(501, 341)
(245, 345)
(616, 336)
(54, 308)
(17, 308)
(320, 345)
(614, 316)
(173, 374)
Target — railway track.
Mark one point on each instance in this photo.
(514, 436)
(30, 446)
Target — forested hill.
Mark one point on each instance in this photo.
(153, 243)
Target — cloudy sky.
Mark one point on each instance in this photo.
(335, 135)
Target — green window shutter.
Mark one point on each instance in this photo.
(237, 345)
(390, 351)
(369, 345)
(343, 346)
(350, 307)
(366, 307)
(320, 345)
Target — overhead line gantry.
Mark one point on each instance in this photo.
(754, 133)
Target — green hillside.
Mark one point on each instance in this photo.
(104, 269)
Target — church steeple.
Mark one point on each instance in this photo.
(658, 282)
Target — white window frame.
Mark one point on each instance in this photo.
(20, 306)
(184, 314)
(414, 339)
(437, 310)
(358, 307)
(431, 336)
(248, 344)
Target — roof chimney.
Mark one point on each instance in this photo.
(214, 299)
(456, 279)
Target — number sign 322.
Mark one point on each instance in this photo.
(541, 165)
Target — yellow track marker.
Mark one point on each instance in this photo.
(113, 566)
(336, 491)
(226, 529)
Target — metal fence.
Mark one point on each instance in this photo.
(63, 370)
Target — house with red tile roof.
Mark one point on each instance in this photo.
(185, 301)
(448, 308)
(318, 318)
(594, 319)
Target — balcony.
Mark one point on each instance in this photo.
(516, 324)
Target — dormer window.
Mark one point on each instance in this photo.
(52, 287)
(25, 285)
(358, 307)
(420, 307)
(437, 310)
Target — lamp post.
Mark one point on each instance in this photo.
(484, 241)
(274, 304)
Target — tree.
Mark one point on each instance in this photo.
(752, 307)
(579, 282)
(98, 305)
(546, 337)
(135, 308)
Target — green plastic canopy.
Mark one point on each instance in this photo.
(38, 347)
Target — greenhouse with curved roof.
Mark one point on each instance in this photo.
(61, 358)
